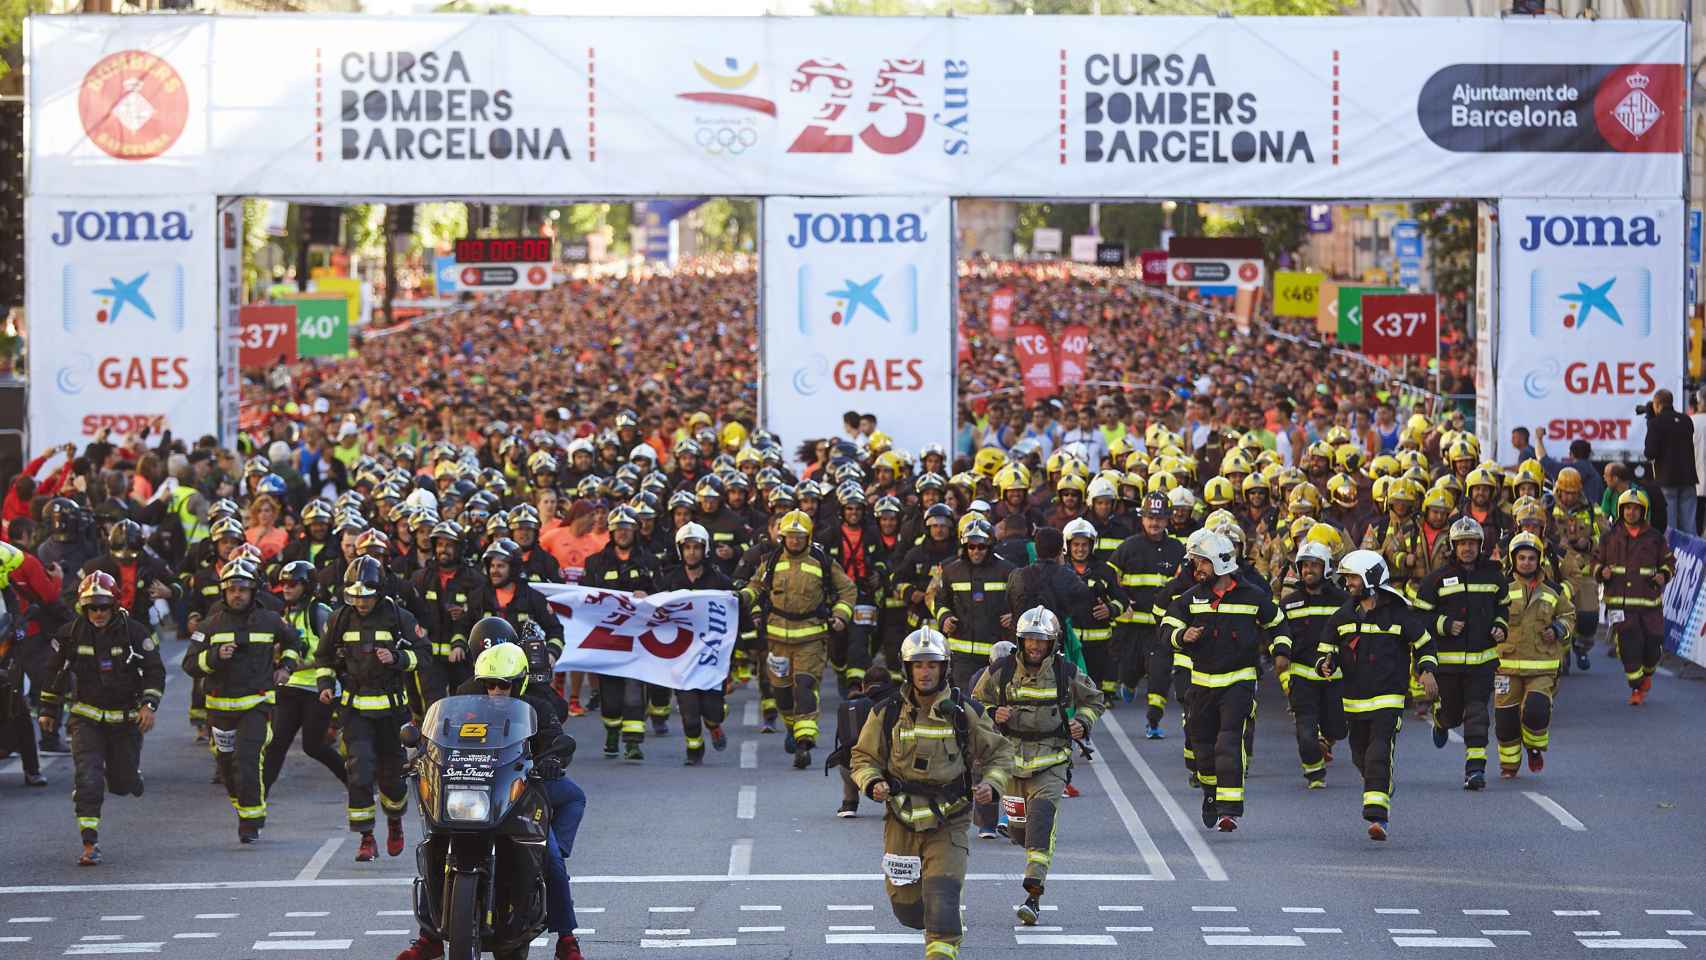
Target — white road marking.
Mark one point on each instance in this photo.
(1666, 672)
(624, 879)
(302, 944)
(1316, 930)
(749, 716)
(1065, 940)
(713, 942)
(113, 949)
(878, 938)
(1597, 933)
(1130, 929)
(102, 937)
(1631, 944)
(1412, 931)
(579, 909)
(1118, 908)
(1020, 928)
(671, 909)
(233, 916)
(1214, 909)
(1205, 857)
(14, 939)
(1486, 913)
(387, 933)
(1557, 811)
(17, 766)
(746, 804)
(761, 929)
(1575, 913)
(1303, 909)
(1670, 913)
(581, 932)
(1225, 929)
(1133, 823)
(749, 755)
(316, 863)
(1505, 933)
(671, 932)
(1246, 940)
(292, 933)
(121, 918)
(213, 936)
(740, 858)
(387, 913)
(1397, 911)
(30, 920)
(1695, 932)
(1452, 942)
(764, 907)
(850, 928)
(844, 907)
(309, 913)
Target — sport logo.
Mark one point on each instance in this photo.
(133, 105)
(846, 299)
(736, 132)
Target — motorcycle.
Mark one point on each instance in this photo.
(480, 883)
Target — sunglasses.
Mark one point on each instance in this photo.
(498, 685)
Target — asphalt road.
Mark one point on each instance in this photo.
(744, 856)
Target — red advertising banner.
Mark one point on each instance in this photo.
(266, 336)
(1072, 355)
(964, 341)
(1035, 353)
(1001, 313)
(1154, 267)
(1400, 324)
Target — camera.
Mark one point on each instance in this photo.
(1644, 410)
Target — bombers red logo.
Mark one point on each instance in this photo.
(133, 105)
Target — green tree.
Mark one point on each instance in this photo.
(12, 14)
(727, 225)
(1448, 232)
(1283, 229)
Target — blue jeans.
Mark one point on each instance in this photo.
(568, 805)
(1679, 508)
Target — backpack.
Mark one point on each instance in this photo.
(818, 556)
(1065, 673)
(890, 706)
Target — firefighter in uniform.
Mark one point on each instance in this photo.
(1378, 644)
(369, 648)
(447, 585)
(506, 596)
(114, 667)
(1028, 695)
(702, 711)
(1145, 563)
(1097, 634)
(919, 753)
(1183, 580)
(1541, 617)
(1577, 527)
(1466, 604)
(1225, 623)
(968, 599)
(204, 592)
(241, 653)
(298, 708)
(1316, 700)
(1635, 563)
(624, 564)
(801, 595)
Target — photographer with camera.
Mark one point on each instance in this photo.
(1670, 447)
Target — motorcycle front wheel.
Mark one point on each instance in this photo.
(462, 917)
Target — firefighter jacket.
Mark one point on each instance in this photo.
(313, 551)
(1536, 606)
(1110, 533)
(538, 566)
(1578, 533)
(133, 581)
(1630, 561)
(264, 643)
(348, 656)
(1475, 594)
(1144, 566)
(107, 674)
(609, 570)
(203, 593)
(526, 605)
(1376, 651)
(440, 589)
(1393, 539)
(838, 542)
(1051, 584)
(1497, 527)
(1306, 616)
(1104, 583)
(309, 620)
(976, 597)
(1038, 698)
(726, 529)
(1276, 561)
(1237, 626)
(794, 595)
(930, 750)
(1174, 588)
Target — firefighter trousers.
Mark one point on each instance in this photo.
(107, 758)
(1522, 714)
(1640, 642)
(1319, 709)
(1041, 792)
(1465, 699)
(1374, 748)
(622, 704)
(794, 670)
(932, 867)
(1102, 665)
(699, 709)
(1218, 716)
(1182, 695)
(239, 747)
(373, 757)
(300, 711)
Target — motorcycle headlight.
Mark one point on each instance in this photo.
(467, 804)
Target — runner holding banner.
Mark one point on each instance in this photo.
(681, 640)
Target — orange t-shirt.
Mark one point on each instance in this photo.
(571, 551)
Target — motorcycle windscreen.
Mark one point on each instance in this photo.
(478, 722)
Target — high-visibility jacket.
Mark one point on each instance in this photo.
(976, 596)
(1237, 626)
(1376, 651)
(1306, 616)
(1145, 566)
(1534, 607)
(1476, 594)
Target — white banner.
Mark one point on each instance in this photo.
(682, 639)
(1206, 107)
(859, 315)
(1590, 318)
(122, 320)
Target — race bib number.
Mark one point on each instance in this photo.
(780, 667)
(1501, 685)
(1613, 617)
(225, 741)
(902, 871)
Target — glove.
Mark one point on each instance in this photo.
(1285, 682)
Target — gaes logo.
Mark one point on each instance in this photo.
(733, 133)
(1585, 231)
(133, 105)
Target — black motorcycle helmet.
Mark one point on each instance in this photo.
(63, 517)
(125, 540)
(488, 633)
(363, 578)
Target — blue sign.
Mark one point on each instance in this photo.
(444, 274)
(1684, 601)
(1407, 239)
(1320, 218)
(1693, 290)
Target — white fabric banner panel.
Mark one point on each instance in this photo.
(972, 106)
(1590, 318)
(122, 318)
(858, 315)
(681, 639)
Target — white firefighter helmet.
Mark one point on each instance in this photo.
(1038, 621)
(1217, 550)
(923, 644)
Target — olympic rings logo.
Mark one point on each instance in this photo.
(730, 140)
